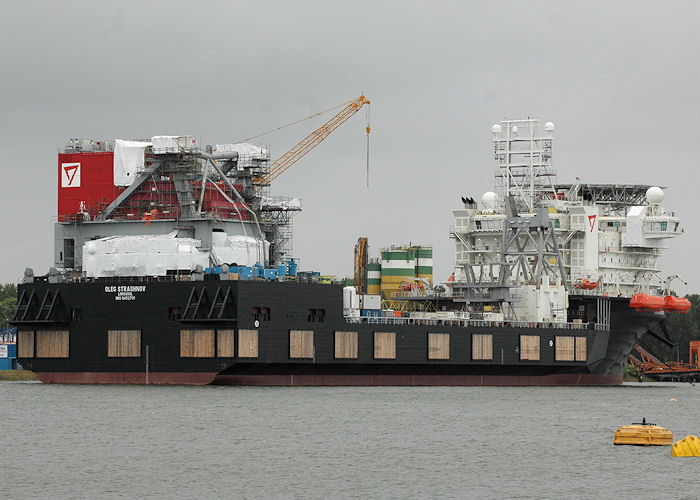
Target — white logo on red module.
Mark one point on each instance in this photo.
(70, 175)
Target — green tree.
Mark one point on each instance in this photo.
(8, 302)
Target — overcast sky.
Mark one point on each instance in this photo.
(620, 80)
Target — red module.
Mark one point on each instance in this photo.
(85, 183)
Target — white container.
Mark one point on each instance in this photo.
(173, 143)
(370, 301)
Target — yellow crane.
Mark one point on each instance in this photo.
(288, 159)
(361, 254)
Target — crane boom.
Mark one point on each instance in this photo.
(311, 141)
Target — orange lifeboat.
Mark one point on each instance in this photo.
(676, 304)
(642, 301)
(586, 285)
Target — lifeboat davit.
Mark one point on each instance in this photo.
(642, 301)
(676, 304)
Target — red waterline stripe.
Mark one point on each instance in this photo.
(155, 378)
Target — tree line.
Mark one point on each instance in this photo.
(682, 328)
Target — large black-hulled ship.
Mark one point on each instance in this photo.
(272, 333)
(173, 266)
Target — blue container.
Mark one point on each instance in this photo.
(10, 361)
(291, 267)
(245, 273)
(281, 270)
(269, 274)
(371, 313)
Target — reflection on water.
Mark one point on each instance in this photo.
(110, 441)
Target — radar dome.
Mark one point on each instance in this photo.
(655, 195)
(489, 200)
(496, 129)
(549, 127)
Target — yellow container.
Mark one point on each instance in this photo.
(643, 435)
(689, 446)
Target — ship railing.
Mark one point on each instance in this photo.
(8, 335)
(474, 323)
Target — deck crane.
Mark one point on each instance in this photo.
(288, 159)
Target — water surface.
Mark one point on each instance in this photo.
(389, 442)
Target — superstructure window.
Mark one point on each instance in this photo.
(69, 253)
(260, 313)
(315, 315)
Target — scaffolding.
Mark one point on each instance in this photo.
(523, 154)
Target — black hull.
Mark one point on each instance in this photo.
(160, 312)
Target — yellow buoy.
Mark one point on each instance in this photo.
(643, 434)
(689, 446)
(673, 400)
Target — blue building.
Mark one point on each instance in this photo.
(8, 348)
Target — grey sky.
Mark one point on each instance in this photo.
(620, 80)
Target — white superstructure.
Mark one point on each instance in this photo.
(610, 236)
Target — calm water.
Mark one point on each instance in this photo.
(214, 442)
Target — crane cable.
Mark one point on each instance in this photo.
(368, 128)
(299, 121)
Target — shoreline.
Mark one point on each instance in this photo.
(17, 376)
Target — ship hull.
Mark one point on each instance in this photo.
(164, 315)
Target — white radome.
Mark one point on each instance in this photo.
(496, 129)
(489, 200)
(655, 195)
(549, 127)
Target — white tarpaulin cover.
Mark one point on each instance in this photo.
(238, 249)
(128, 161)
(279, 203)
(143, 255)
(173, 143)
(247, 153)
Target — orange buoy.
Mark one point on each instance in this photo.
(643, 434)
